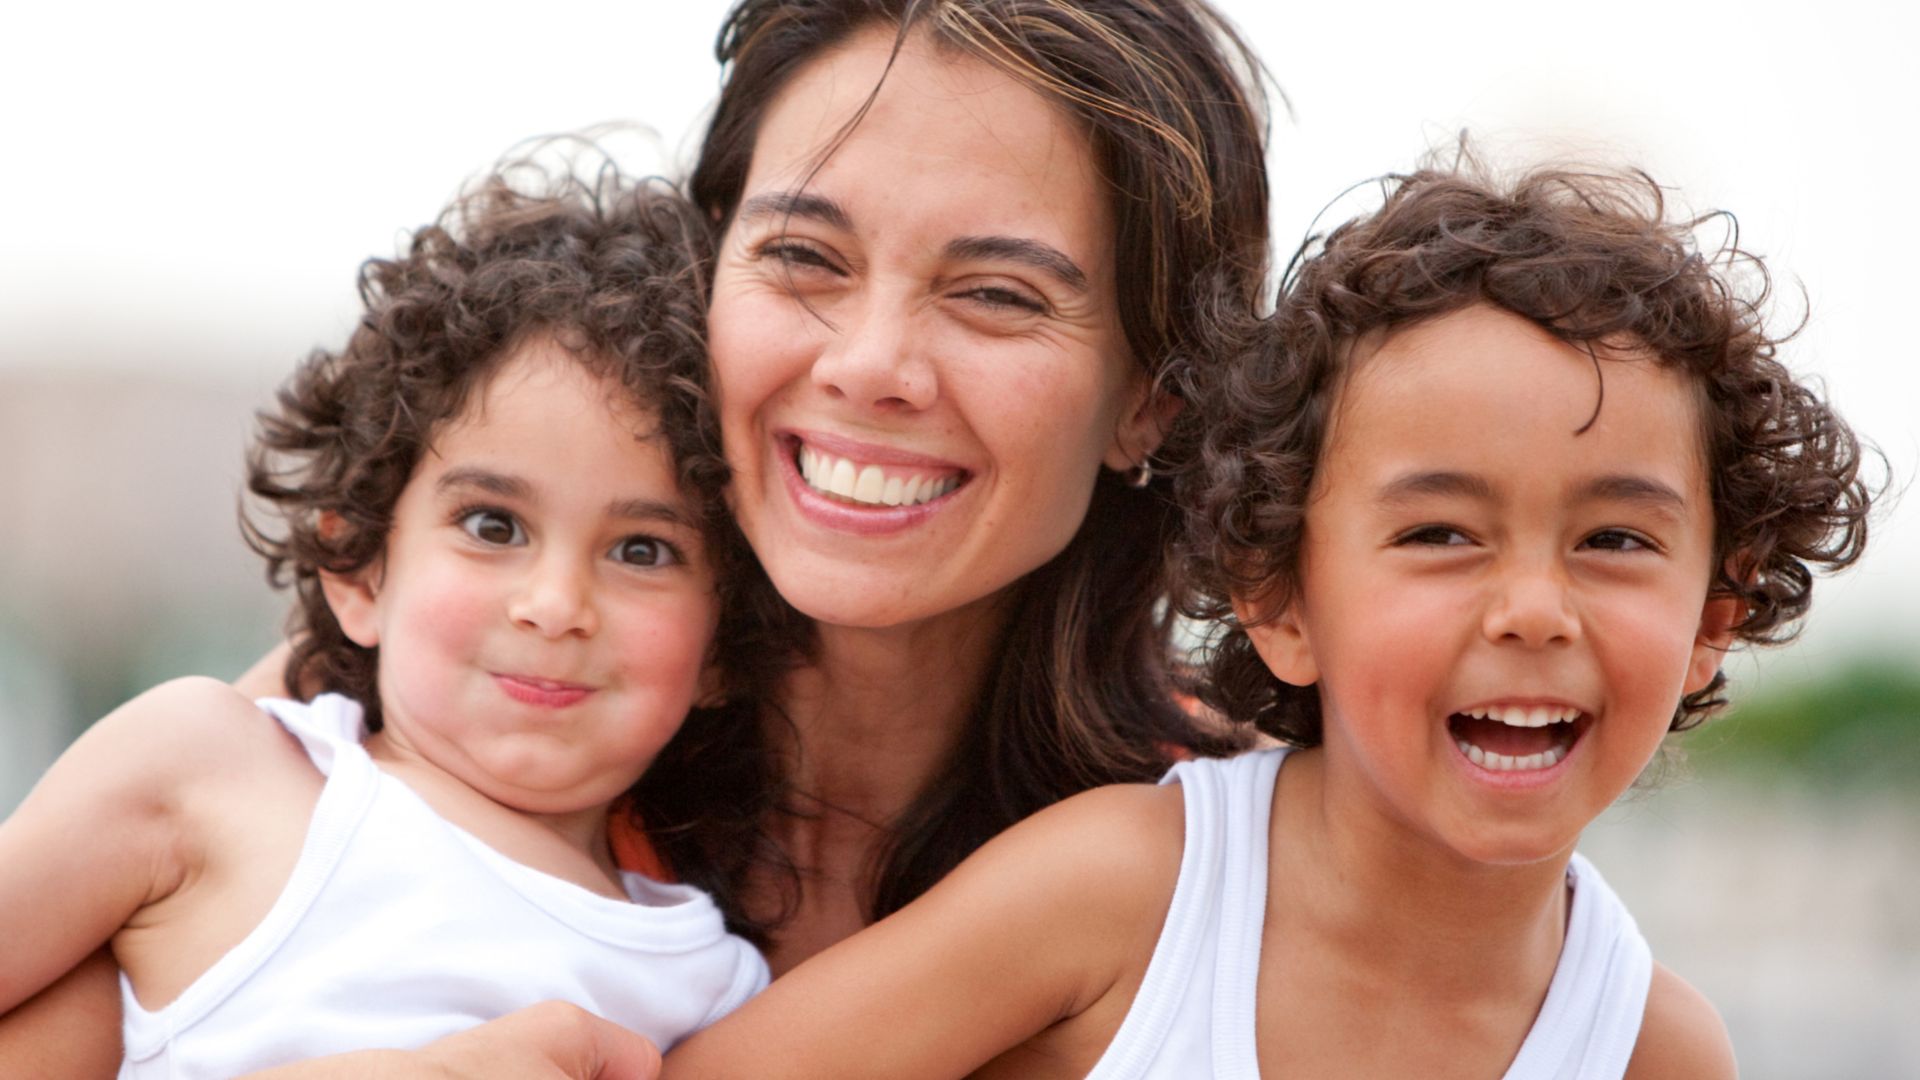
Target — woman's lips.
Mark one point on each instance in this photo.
(546, 693)
(863, 489)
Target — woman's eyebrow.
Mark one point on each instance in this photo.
(1033, 253)
(792, 204)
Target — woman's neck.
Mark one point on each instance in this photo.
(872, 720)
(863, 730)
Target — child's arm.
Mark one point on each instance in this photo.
(1031, 930)
(1681, 1035)
(105, 832)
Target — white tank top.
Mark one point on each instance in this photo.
(1194, 1014)
(397, 928)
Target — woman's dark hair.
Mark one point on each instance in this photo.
(1592, 258)
(615, 272)
(1079, 692)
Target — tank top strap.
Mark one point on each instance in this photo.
(1205, 966)
(1590, 1020)
(1248, 809)
(331, 728)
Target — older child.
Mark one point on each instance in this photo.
(497, 506)
(1481, 507)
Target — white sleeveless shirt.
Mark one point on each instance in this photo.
(1194, 1014)
(397, 928)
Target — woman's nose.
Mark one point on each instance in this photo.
(872, 357)
(1532, 606)
(555, 599)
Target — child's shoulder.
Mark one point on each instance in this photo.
(1681, 1034)
(192, 729)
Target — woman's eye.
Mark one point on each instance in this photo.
(796, 255)
(493, 527)
(1434, 536)
(1618, 540)
(1000, 297)
(644, 551)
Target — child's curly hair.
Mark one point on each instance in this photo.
(612, 270)
(1592, 258)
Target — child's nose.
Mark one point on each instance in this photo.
(555, 599)
(1532, 606)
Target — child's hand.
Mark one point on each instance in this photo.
(549, 1041)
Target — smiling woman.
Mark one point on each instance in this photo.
(968, 249)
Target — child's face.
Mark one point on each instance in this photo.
(1467, 553)
(544, 605)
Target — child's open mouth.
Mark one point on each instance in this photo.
(1516, 738)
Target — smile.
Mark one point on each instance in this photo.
(548, 693)
(1517, 738)
(870, 484)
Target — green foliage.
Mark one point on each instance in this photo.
(1855, 726)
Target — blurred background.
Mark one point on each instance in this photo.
(189, 188)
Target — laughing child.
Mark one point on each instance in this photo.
(498, 506)
(1479, 511)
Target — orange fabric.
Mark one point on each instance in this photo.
(632, 850)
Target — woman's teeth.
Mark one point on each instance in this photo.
(870, 484)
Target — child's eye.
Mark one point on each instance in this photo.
(495, 527)
(644, 551)
(1433, 536)
(1618, 540)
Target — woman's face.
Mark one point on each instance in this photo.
(915, 339)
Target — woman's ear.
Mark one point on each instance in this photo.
(355, 597)
(1717, 619)
(1143, 426)
(1281, 640)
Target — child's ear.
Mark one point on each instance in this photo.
(1717, 619)
(1280, 639)
(1143, 426)
(353, 597)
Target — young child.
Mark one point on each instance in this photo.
(496, 506)
(1481, 508)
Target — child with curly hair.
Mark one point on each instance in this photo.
(1478, 513)
(500, 508)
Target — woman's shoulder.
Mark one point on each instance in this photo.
(1681, 1034)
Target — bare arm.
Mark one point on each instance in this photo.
(1681, 1036)
(266, 678)
(71, 1029)
(1030, 931)
(103, 833)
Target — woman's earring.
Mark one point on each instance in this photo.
(1140, 475)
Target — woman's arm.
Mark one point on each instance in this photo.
(267, 677)
(71, 1029)
(1031, 930)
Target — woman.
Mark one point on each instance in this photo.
(961, 243)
